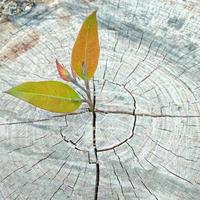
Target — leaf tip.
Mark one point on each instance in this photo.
(94, 12)
(93, 15)
(9, 91)
(6, 92)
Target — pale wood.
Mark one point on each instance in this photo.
(149, 51)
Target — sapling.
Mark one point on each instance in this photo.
(61, 97)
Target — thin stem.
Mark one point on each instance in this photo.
(86, 89)
(75, 82)
(91, 109)
(87, 86)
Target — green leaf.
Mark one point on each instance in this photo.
(53, 96)
(86, 49)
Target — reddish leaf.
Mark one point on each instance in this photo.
(64, 74)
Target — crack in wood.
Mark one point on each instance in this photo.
(132, 36)
(143, 183)
(170, 151)
(115, 173)
(125, 170)
(11, 173)
(40, 161)
(178, 176)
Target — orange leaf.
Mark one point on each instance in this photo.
(64, 74)
(86, 48)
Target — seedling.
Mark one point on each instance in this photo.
(59, 97)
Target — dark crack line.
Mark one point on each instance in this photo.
(149, 49)
(12, 173)
(122, 142)
(136, 156)
(150, 163)
(57, 143)
(40, 161)
(150, 73)
(141, 180)
(170, 151)
(18, 188)
(141, 39)
(39, 138)
(115, 173)
(156, 52)
(177, 78)
(75, 184)
(105, 69)
(126, 171)
(16, 197)
(40, 176)
(120, 65)
(42, 120)
(24, 147)
(153, 115)
(148, 189)
(129, 178)
(60, 168)
(132, 131)
(94, 144)
(74, 144)
(63, 182)
(131, 74)
(104, 82)
(178, 176)
(186, 54)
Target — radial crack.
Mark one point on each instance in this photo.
(122, 191)
(146, 185)
(125, 170)
(178, 176)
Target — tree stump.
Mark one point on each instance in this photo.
(147, 99)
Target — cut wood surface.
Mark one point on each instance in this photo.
(147, 102)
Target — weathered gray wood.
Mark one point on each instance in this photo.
(149, 51)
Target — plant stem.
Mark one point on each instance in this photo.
(92, 109)
(75, 82)
(87, 86)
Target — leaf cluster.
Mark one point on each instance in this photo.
(60, 97)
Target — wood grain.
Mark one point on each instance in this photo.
(150, 54)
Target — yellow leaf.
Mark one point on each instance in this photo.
(53, 96)
(86, 48)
